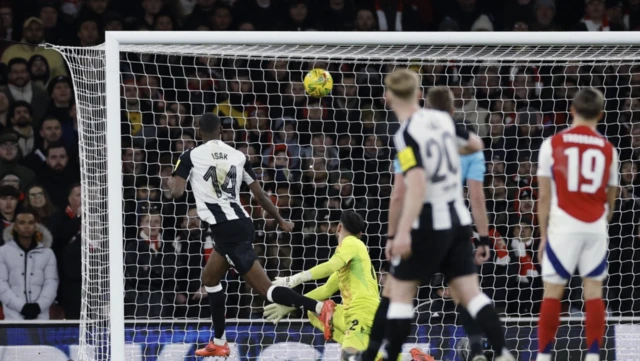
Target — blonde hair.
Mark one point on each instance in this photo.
(403, 84)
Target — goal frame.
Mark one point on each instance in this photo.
(113, 41)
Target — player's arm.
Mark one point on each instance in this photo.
(544, 193)
(416, 187)
(395, 205)
(343, 255)
(468, 142)
(475, 183)
(180, 174)
(613, 185)
(263, 200)
(327, 290)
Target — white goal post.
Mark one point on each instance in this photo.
(99, 116)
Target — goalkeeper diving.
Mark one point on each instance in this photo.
(350, 271)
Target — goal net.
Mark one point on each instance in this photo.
(316, 157)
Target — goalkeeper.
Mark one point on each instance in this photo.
(350, 271)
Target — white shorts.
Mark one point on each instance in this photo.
(565, 252)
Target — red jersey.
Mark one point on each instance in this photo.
(582, 164)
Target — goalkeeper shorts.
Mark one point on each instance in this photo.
(352, 332)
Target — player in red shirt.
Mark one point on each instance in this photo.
(578, 180)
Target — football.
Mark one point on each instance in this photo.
(318, 83)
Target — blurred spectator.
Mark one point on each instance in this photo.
(70, 288)
(33, 35)
(518, 11)
(164, 22)
(66, 221)
(263, 14)
(88, 31)
(8, 206)
(298, 18)
(221, 18)
(113, 21)
(22, 125)
(50, 132)
(595, 18)
(9, 157)
(397, 15)
(200, 14)
(7, 31)
(27, 297)
(365, 20)
(39, 71)
(49, 15)
(22, 89)
(4, 110)
(151, 8)
(339, 15)
(151, 271)
(464, 13)
(193, 246)
(545, 13)
(37, 201)
(93, 8)
(61, 91)
(58, 173)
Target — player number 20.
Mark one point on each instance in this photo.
(589, 166)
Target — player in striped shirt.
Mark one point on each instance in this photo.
(216, 171)
(472, 168)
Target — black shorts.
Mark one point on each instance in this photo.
(234, 241)
(445, 251)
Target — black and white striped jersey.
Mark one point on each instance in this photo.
(431, 140)
(216, 171)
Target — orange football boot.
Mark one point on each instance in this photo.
(326, 316)
(418, 355)
(212, 350)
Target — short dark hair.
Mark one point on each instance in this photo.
(589, 104)
(24, 210)
(17, 104)
(72, 187)
(16, 61)
(210, 123)
(56, 145)
(352, 222)
(440, 98)
(48, 118)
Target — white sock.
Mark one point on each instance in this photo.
(220, 341)
(592, 357)
(319, 307)
(543, 357)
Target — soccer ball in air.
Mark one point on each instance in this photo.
(318, 83)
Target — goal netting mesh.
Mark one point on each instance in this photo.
(316, 157)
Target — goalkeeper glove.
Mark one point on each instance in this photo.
(292, 281)
(275, 312)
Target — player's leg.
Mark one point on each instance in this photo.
(558, 263)
(212, 274)
(399, 316)
(339, 326)
(595, 318)
(593, 269)
(459, 269)
(473, 330)
(258, 280)
(379, 323)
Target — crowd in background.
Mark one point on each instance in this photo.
(315, 157)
